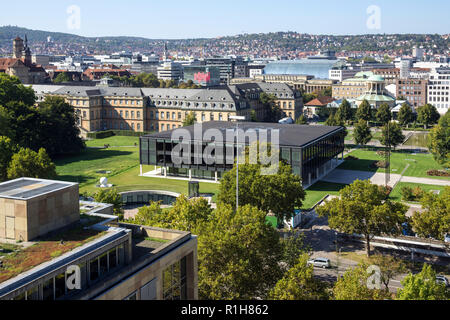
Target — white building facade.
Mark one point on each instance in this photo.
(439, 89)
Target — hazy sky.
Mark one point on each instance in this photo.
(173, 19)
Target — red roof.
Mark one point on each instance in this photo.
(320, 102)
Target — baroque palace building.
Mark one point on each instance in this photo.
(153, 109)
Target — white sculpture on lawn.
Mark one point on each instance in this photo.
(104, 183)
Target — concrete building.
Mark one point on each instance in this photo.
(205, 76)
(170, 71)
(413, 90)
(341, 74)
(352, 88)
(439, 89)
(390, 75)
(95, 257)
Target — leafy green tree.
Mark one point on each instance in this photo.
(59, 133)
(299, 283)
(362, 134)
(238, 255)
(383, 114)
(152, 215)
(389, 267)
(188, 215)
(332, 120)
(405, 115)
(434, 221)
(345, 111)
(302, 120)
(111, 196)
(439, 141)
(422, 286)
(364, 111)
(190, 119)
(327, 92)
(307, 97)
(7, 150)
(274, 113)
(280, 193)
(62, 77)
(31, 164)
(392, 134)
(353, 286)
(12, 90)
(427, 115)
(362, 209)
(293, 247)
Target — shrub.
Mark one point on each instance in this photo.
(438, 173)
(418, 193)
(379, 164)
(407, 194)
(351, 158)
(387, 190)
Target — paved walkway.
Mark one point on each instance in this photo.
(431, 181)
(348, 176)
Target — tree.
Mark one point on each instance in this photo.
(188, 215)
(59, 133)
(302, 120)
(353, 286)
(111, 196)
(12, 90)
(364, 111)
(307, 97)
(7, 150)
(422, 286)
(62, 77)
(190, 119)
(327, 92)
(238, 255)
(383, 114)
(439, 141)
(332, 120)
(152, 215)
(345, 111)
(293, 247)
(389, 267)
(299, 283)
(405, 115)
(362, 209)
(427, 115)
(391, 134)
(30, 164)
(362, 134)
(434, 221)
(273, 110)
(280, 193)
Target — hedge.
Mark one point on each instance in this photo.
(110, 133)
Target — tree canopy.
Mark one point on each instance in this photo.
(364, 111)
(439, 141)
(392, 134)
(427, 115)
(27, 163)
(383, 114)
(405, 115)
(362, 209)
(362, 134)
(280, 193)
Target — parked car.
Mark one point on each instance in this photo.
(320, 262)
(447, 237)
(442, 279)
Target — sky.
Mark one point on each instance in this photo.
(180, 19)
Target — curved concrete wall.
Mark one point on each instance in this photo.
(145, 196)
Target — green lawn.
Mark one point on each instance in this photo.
(396, 193)
(116, 141)
(319, 190)
(419, 164)
(123, 164)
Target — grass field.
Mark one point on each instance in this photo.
(319, 190)
(419, 164)
(396, 193)
(123, 163)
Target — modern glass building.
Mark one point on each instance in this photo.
(312, 151)
(317, 68)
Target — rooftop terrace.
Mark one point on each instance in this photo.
(28, 188)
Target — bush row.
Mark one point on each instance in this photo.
(110, 133)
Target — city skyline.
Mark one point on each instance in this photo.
(207, 19)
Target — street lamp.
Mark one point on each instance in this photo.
(237, 118)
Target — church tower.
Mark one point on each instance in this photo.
(27, 53)
(18, 48)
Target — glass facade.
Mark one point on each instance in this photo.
(174, 281)
(308, 161)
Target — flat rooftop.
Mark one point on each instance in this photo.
(28, 188)
(290, 134)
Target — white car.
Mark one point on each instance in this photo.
(447, 237)
(320, 262)
(442, 279)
